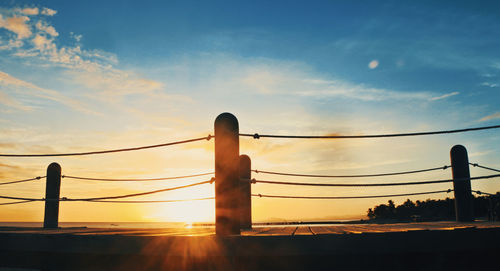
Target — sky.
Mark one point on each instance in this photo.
(94, 75)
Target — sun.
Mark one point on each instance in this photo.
(188, 212)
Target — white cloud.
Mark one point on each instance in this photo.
(46, 28)
(78, 38)
(444, 96)
(18, 25)
(488, 84)
(30, 11)
(48, 12)
(491, 117)
(42, 43)
(94, 69)
(373, 64)
(11, 44)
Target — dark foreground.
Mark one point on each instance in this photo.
(410, 246)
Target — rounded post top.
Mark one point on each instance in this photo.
(227, 118)
(458, 149)
(54, 167)
(245, 160)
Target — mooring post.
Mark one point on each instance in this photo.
(227, 179)
(246, 192)
(464, 200)
(52, 191)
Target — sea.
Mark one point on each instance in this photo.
(132, 225)
(156, 225)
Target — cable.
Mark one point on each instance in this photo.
(349, 176)
(16, 202)
(355, 197)
(136, 180)
(151, 201)
(478, 165)
(369, 184)
(257, 136)
(109, 151)
(26, 180)
(140, 194)
(351, 184)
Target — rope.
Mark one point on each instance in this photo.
(478, 165)
(151, 201)
(111, 197)
(20, 198)
(26, 180)
(370, 184)
(350, 176)
(352, 184)
(140, 194)
(355, 197)
(136, 180)
(16, 202)
(109, 151)
(257, 136)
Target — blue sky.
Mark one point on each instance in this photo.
(97, 75)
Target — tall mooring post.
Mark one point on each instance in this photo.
(245, 192)
(464, 200)
(227, 179)
(52, 191)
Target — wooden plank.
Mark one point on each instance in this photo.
(261, 231)
(303, 230)
(269, 231)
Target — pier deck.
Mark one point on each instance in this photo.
(410, 246)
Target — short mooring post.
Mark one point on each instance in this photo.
(227, 179)
(52, 191)
(246, 192)
(464, 210)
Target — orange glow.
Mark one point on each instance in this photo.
(187, 212)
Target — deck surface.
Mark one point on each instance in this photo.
(288, 230)
(421, 246)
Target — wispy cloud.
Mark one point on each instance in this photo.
(8, 81)
(10, 102)
(491, 117)
(491, 85)
(295, 80)
(444, 96)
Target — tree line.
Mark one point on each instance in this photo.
(487, 206)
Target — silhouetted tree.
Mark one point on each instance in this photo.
(484, 206)
(370, 214)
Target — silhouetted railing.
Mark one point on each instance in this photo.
(233, 178)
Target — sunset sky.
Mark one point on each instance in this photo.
(95, 75)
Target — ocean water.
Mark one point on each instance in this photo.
(149, 225)
(152, 225)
